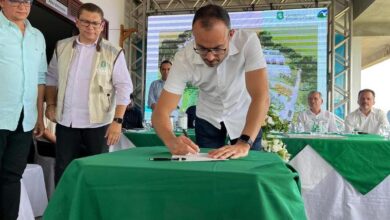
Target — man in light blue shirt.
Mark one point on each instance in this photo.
(157, 85)
(22, 75)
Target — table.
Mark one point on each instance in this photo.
(343, 178)
(142, 138)
(25, 209)
(126, 185)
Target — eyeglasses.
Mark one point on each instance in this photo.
(214, 51)
(93, 24)
(17, 3)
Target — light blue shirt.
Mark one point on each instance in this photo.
(155, 91)
(22, 68)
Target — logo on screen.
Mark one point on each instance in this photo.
(322, 14)
(280, 15)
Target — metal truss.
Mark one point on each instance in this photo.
(339, 57)
(135, 46)
(340, 24)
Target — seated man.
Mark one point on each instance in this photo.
(133, 116)
(308, 117)
(157, 85)
(366, 118)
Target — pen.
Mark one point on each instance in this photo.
(167, 159)
(185, 132)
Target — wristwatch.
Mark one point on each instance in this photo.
(118, 120)
(246, 139)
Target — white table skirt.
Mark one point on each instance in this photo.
(25, 209)
(327, 195)
(33, 185)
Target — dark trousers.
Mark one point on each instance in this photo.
(14, 149)
(211, 137)
(74, 143)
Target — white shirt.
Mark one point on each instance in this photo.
(369, 124)
(76, 110)
(307, 118)
(223, 96)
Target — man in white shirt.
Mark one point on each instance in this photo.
(229, 69)
(366, 118)
(315, 114)
(87, 92)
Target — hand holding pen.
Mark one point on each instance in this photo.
(182, 145)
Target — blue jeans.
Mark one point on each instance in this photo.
(209, 136)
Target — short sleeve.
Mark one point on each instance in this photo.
(179, 74)
(254, 57)
(42, 64)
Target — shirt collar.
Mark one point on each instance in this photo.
(372, 112)
(314, 113)
(96, 44)
(4, 21)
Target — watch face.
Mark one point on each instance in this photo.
(245, 138)
(119, 120)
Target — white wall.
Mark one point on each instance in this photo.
(377, 78)
(114, 12)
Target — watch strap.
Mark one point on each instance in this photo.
(246, 139)
(118, 120)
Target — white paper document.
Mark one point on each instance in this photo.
(195, 157)
(137, 130)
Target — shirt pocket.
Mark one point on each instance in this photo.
(106, 92)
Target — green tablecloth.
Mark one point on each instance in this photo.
(149, 138)
(363, 160)
(126, 185)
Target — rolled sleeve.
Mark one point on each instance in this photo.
(42, 69)
(254, 57)
(122, 81)
(177, 78)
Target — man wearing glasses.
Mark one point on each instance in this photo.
(22, 74)
(229, 68)
(88, 89)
